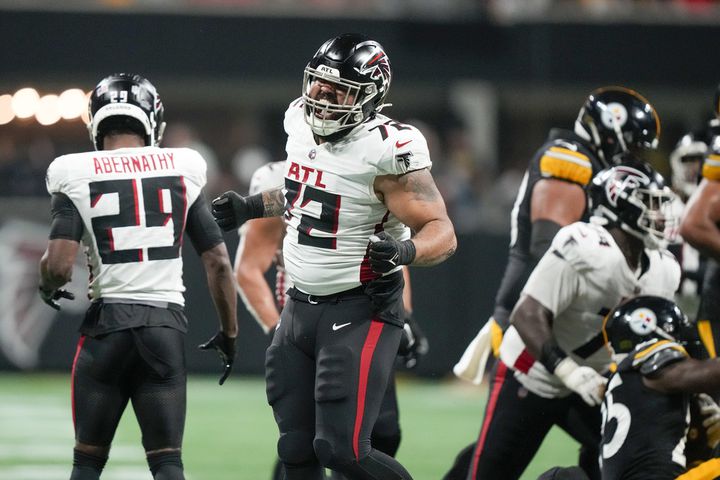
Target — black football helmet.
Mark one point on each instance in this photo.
(616, 120)
(633, 196)
(124, 101)
(686, 161)
(356, 63)
(648, 317)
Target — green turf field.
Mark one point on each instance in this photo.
(230, 434)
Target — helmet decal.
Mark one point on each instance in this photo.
(614, 114)
(378, 66)
(631, 180)
(642, 321)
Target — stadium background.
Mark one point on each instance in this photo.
(484, 80)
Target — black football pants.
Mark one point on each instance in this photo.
(327, 371)
(143, 365)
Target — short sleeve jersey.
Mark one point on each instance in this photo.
(134, 204)
(580, 279)
(332, 208)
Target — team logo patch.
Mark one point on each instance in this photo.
(643, 321)
(312, 154)
(404, 158)
(614, 114)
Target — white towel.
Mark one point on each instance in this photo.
(471, 366)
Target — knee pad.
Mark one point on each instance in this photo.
(333, 373)
(166, 465)
(333, 456)
(296, 448)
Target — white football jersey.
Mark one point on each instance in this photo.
(332, 208)
(581, 277)
(133, 203)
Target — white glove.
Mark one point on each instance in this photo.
(710, 410)
(471, 366)
(584, 381)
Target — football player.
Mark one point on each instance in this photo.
(646, 409)
(260, 246)
(354, 181)
(700, 227)
(129, 204)
(552, 195)
(552, 356)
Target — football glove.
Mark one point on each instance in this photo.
(232, 210)
(52, 296)
(711, 411)
(225, 346)
(386, 253)
(584, 381)
(413, 343)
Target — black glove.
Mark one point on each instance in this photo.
(225, 347)
(387, 253)
(52, 296)
(413, 344)
(232, 210)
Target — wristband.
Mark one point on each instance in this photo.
(406, 252)
(551, 355)
(255, 205)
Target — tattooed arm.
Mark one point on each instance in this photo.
(415, 200)
(273, 202)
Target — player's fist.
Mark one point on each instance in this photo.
(386, 253)
(711, 411)
(584, 381)
(52, 296)
(413, 344)
(225, 346)
(232, 210)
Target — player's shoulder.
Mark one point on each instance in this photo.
(399, 148)
(652, 356)
(294, 115)
(267, 176)
(586, 246)
(711, 166)
(565, 157)
(65, 168)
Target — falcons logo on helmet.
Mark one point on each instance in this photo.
(624, 177)
(377, 66)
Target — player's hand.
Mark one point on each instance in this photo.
(231, 210)
(584, 381)
(52, 297)
(386, 253)
(225, 346)
(413, 343)
(711, 411)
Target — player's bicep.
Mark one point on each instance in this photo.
(261, 240)
(557, 200)
(413, 197)
(204, 233)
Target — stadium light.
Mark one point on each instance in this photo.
(24, 102)
(48, 110)
(73, 102)
(6, 110)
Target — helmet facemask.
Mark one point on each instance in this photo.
(327, 118)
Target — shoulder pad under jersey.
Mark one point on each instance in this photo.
(711, 167)
(563, 160)
(651, 356)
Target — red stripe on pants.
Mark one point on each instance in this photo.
(365, 361)
(492, 402)
(72, 376)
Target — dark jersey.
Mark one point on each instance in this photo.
(564, 156)
(643, 433)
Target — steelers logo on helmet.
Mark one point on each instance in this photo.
(642, 321)
(614, 114)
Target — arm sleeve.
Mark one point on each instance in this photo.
(541, 237)
(204, 233)
(66, 220)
